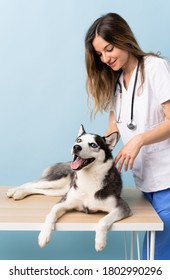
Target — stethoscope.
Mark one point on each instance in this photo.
(131, 124)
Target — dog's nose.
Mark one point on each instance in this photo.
(77, 148)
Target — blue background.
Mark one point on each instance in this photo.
(43, 100)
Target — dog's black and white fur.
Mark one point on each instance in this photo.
(90, 183)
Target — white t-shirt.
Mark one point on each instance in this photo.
(151, 169)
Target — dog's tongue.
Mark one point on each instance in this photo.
(76, 164)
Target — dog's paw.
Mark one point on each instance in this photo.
(17, 193)
(100, 241)
(100, 245)
(44, 236)
(11, 192)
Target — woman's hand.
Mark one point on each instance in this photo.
(128, 153)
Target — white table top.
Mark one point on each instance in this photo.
(29, 214)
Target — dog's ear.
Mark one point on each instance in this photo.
(112, 139)
(81, 130)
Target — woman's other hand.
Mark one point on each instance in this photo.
(128, 153)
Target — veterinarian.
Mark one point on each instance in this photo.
(135, 87)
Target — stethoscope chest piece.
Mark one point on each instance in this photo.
(131, 125)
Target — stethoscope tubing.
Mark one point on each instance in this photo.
(133, 93)
(131, 124)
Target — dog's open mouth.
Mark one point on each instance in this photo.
(79, 163)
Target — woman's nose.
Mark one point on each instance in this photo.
(105, 58)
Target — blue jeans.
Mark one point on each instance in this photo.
(161, 202)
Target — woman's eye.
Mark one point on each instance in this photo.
(93, 145)
(110, 49)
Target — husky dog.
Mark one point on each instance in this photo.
(89, 184)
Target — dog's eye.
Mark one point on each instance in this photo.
(93, 145)
(79, 140)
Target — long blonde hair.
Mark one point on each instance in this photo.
(101, 79)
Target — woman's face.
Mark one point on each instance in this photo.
(112, 56)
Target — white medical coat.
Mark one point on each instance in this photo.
(151, 168)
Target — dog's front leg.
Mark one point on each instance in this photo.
(56, 212)
(103, 225)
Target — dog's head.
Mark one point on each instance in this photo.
(90, 148)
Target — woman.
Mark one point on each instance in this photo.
(135, 87)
